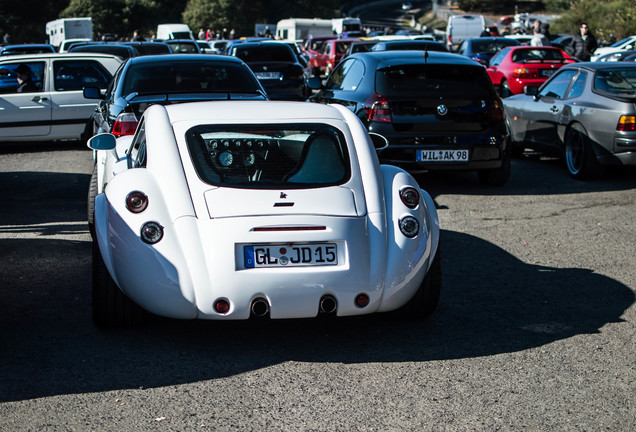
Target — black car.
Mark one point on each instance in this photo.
(438, 111)
(149, 48)
(26, 49)
(404, 45)
(277, 68)
(119, 50)
(482, 49)
(166, 79)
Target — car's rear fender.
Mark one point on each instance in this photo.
(408, 259)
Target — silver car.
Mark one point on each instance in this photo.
(52, 106)
(586, 113)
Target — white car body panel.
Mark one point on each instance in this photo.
(200, 257)
(49, 114)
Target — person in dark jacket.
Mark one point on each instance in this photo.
(26, 84)
(584, 44)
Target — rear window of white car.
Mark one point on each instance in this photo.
(272, 156)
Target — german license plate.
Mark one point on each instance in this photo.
(547, 72)
(268, 75)
(290, 256)
(442, 155)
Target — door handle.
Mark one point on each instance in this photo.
(38, 99)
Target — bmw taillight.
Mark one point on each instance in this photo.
(377, 109)
(496, 112)
(626, 124)
(126, 124)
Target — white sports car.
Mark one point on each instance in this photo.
(232, 210)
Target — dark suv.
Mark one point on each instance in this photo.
(167, 79)
(438, 111)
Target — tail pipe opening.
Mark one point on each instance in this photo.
(328, 304)
(260, 308)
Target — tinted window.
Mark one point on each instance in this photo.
(269, 156)
(558, 85)
(8, 76)
(76, 74)
(347, 77)
(273, 52)
(578, 86)
(149, 49)
(184, 47)
(448, 81)
(492, 46)
(536, 55)
(618, 81)
(192, 76)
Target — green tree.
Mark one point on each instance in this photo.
(604, 17)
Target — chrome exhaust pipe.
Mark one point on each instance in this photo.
(260, 307)
(328, 304)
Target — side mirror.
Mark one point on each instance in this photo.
(314, 83)
(92, 93)
(103, 141)
(379, 142)
(531, 90)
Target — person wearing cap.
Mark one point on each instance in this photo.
(26, 84)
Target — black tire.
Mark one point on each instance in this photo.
(496, 176)
(92, 192)
(580, 160)
(425, 300)
(111, 307)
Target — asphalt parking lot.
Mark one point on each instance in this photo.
(534, 331)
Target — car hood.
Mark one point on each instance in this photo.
(231, 202)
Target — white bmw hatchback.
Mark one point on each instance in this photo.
(53, 107)
(244, 209)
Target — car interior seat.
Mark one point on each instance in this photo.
(320, 162)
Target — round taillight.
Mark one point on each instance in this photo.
(409, 226)
(151, 232)
(222, 306)
(410, 197)
(136, 202)
(362, 300)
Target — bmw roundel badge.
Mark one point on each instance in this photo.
(442, 109)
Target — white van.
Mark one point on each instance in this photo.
(174, 31)
(462, 27)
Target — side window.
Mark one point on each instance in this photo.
(346, 76)
(69, 75)
(30, 79)
(558, 85)
(497, 58)
(578, 86)
(137, 152)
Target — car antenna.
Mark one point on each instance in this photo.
(425, 53)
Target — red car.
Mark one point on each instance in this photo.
(313, 48)
(513, 68)
(331, 53)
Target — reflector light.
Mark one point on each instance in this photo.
(410, 197)
(524, 73)
(409, 226)
(126, 124)
(626, 124)
(151, 232)
(222, 306)
(136, 202)
(362, 300)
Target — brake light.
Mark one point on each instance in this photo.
(626, 124)
(377, 109)
(524, 73)
(126, 124)
(496, 113)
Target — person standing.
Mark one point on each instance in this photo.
(584, 44)
(538, 38)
